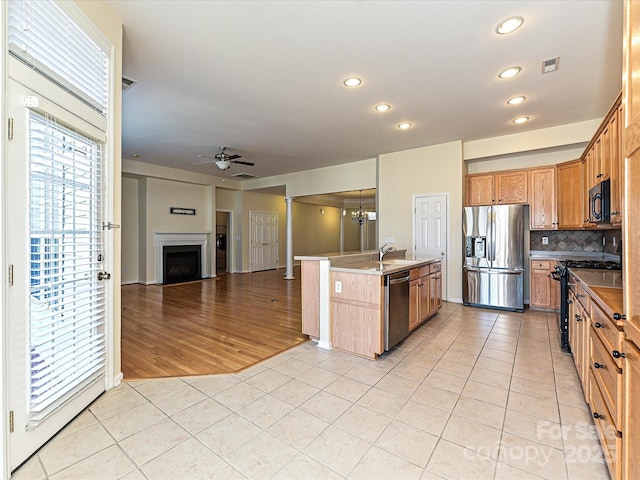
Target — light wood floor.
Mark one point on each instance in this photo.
(214, 326)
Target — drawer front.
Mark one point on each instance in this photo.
(610, 438)
(435, 267)
(607, 331)
(424, 271)
(582, 296)
(542, 264)
(609, 379)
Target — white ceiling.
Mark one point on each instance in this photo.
(264, 78)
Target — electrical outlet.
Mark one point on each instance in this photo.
(604, 240)
(389, 239)
(338, 287)
(545, 240)
(613, 241)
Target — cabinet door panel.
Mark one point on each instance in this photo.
(542, 199)
(480, 189)
(570, 194)
(511, 187)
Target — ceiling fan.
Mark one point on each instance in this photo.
(223, 160)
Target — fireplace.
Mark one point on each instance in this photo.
(181, 263)
(187, 257)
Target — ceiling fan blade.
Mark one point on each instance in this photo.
(233, 157)
(206, 161)
(251, 164)
(206, 156)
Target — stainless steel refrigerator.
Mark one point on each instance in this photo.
(493, 268)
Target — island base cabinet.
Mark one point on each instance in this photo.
(631, 414)
(357, 329)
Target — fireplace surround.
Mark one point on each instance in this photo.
(186, 242)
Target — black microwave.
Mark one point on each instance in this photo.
(600, 202)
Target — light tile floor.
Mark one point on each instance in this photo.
(472, 394)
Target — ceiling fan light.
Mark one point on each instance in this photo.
(223, 164)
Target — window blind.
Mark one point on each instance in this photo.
(42, 36)
(67, 343)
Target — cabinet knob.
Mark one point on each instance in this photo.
(618, 316)
(615, 213)
(617, 354)
(578, 318)
(600, 325)
(597, 416)
(598, 365)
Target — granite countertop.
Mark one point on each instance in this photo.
(572, 255)
(604, 287)
(598, 278)
(392, 265)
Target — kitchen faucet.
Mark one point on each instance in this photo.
(383, 251)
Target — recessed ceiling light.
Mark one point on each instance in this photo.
(135, 155)
(404, 125)
(516, 100)
(352, 81)
(520, 120)
(510, 25)
(510, 72)
(383, 107)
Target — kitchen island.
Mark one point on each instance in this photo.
(343, 297)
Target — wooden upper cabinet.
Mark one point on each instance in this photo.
(570, 196)
(511, 187)
(616, 164)
(480, 189)
(542, 199)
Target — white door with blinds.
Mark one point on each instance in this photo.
(57, 297)
(56, 304)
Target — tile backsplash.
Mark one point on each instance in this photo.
(577, 240)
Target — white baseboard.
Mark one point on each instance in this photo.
(130, 282)
(454, 300)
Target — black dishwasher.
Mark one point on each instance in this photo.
(396, 311)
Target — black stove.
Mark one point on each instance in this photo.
(562, 275)
(597, 264)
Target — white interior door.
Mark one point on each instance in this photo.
(263, 240)
(431, 227)
(56, 303)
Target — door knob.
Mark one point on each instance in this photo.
(443, 253)
(104, 275)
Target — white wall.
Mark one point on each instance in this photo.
(129, 232)
(423, 171)
(526, 160)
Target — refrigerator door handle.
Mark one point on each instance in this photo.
(505, 272)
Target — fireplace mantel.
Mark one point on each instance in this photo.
(177, 239)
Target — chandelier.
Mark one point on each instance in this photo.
(359, 216)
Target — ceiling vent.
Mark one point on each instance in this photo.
(550, 65)
(127, 83)
(244, 176)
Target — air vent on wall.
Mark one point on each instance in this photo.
(550, 65)
(127, 83)
(243, 175)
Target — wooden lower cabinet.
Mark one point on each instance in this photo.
(610, 438)
(631, 412)
(425, 293)
(544, 290)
